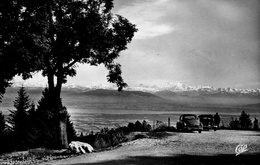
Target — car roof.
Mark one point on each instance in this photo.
(188, 115)
(206, 115)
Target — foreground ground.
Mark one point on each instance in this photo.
(209, 147)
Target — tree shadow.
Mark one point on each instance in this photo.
(184, 159)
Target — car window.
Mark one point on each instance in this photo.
(189, 117)
(206, 118)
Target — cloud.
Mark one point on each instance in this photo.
(147, 16)
(149, 30)
(212, 42)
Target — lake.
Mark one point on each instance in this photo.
(87, 120)
(92, 113)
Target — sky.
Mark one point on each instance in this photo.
(195, 42)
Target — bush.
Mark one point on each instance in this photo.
(131, 127)
(245, 121)
(146, 127)
(138, 126)
(234, 124)
(139, 136)
(113, 137)
(104, 139)
(164, 128)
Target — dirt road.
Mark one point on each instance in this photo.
(209, 147)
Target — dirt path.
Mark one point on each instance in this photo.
(208, 147)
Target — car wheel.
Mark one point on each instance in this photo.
(215, 129)
(199, 131)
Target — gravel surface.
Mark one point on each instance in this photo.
(208, 147)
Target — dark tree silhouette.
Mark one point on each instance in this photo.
(3, 135)
(146, 126)
(54, 36)
(19, 120)
(44, 123)
(138, 126)
(245, 121)
(2, 124)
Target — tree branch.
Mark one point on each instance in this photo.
(71, 64)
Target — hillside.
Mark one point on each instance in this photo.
(78, 98)
(107, 99)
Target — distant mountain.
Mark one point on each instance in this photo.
(168, 88)
(174, 94)
(185, 90)
(165, 93)
(105, 92)
(75, 97)
(113, 96)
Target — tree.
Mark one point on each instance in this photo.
(245, 121)
(4, 143)
(145, 126)
(54, 36)
(45, 120)
(138, 126)
(234, 124)
(2, 124)
(18, 118)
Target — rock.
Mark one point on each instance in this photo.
(80, 147)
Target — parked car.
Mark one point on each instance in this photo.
(189, 122)
(207, 121)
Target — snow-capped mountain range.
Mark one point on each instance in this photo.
(181, 88)
(177, 88)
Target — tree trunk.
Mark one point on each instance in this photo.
(50, 82)
(63, 133)
(55, 92)
(63, 136)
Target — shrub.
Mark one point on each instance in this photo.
(146, 127)
(112, 137)
(138, 126)
(245, 121)
(164, 128)
(131, 127)
(234, 124)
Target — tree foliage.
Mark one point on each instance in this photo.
(4, 141)
(2, 124)
(46, 120)
(18, 118)
(54, 36)
(245, 121)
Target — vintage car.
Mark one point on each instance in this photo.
(207, 121)
(189, 122)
